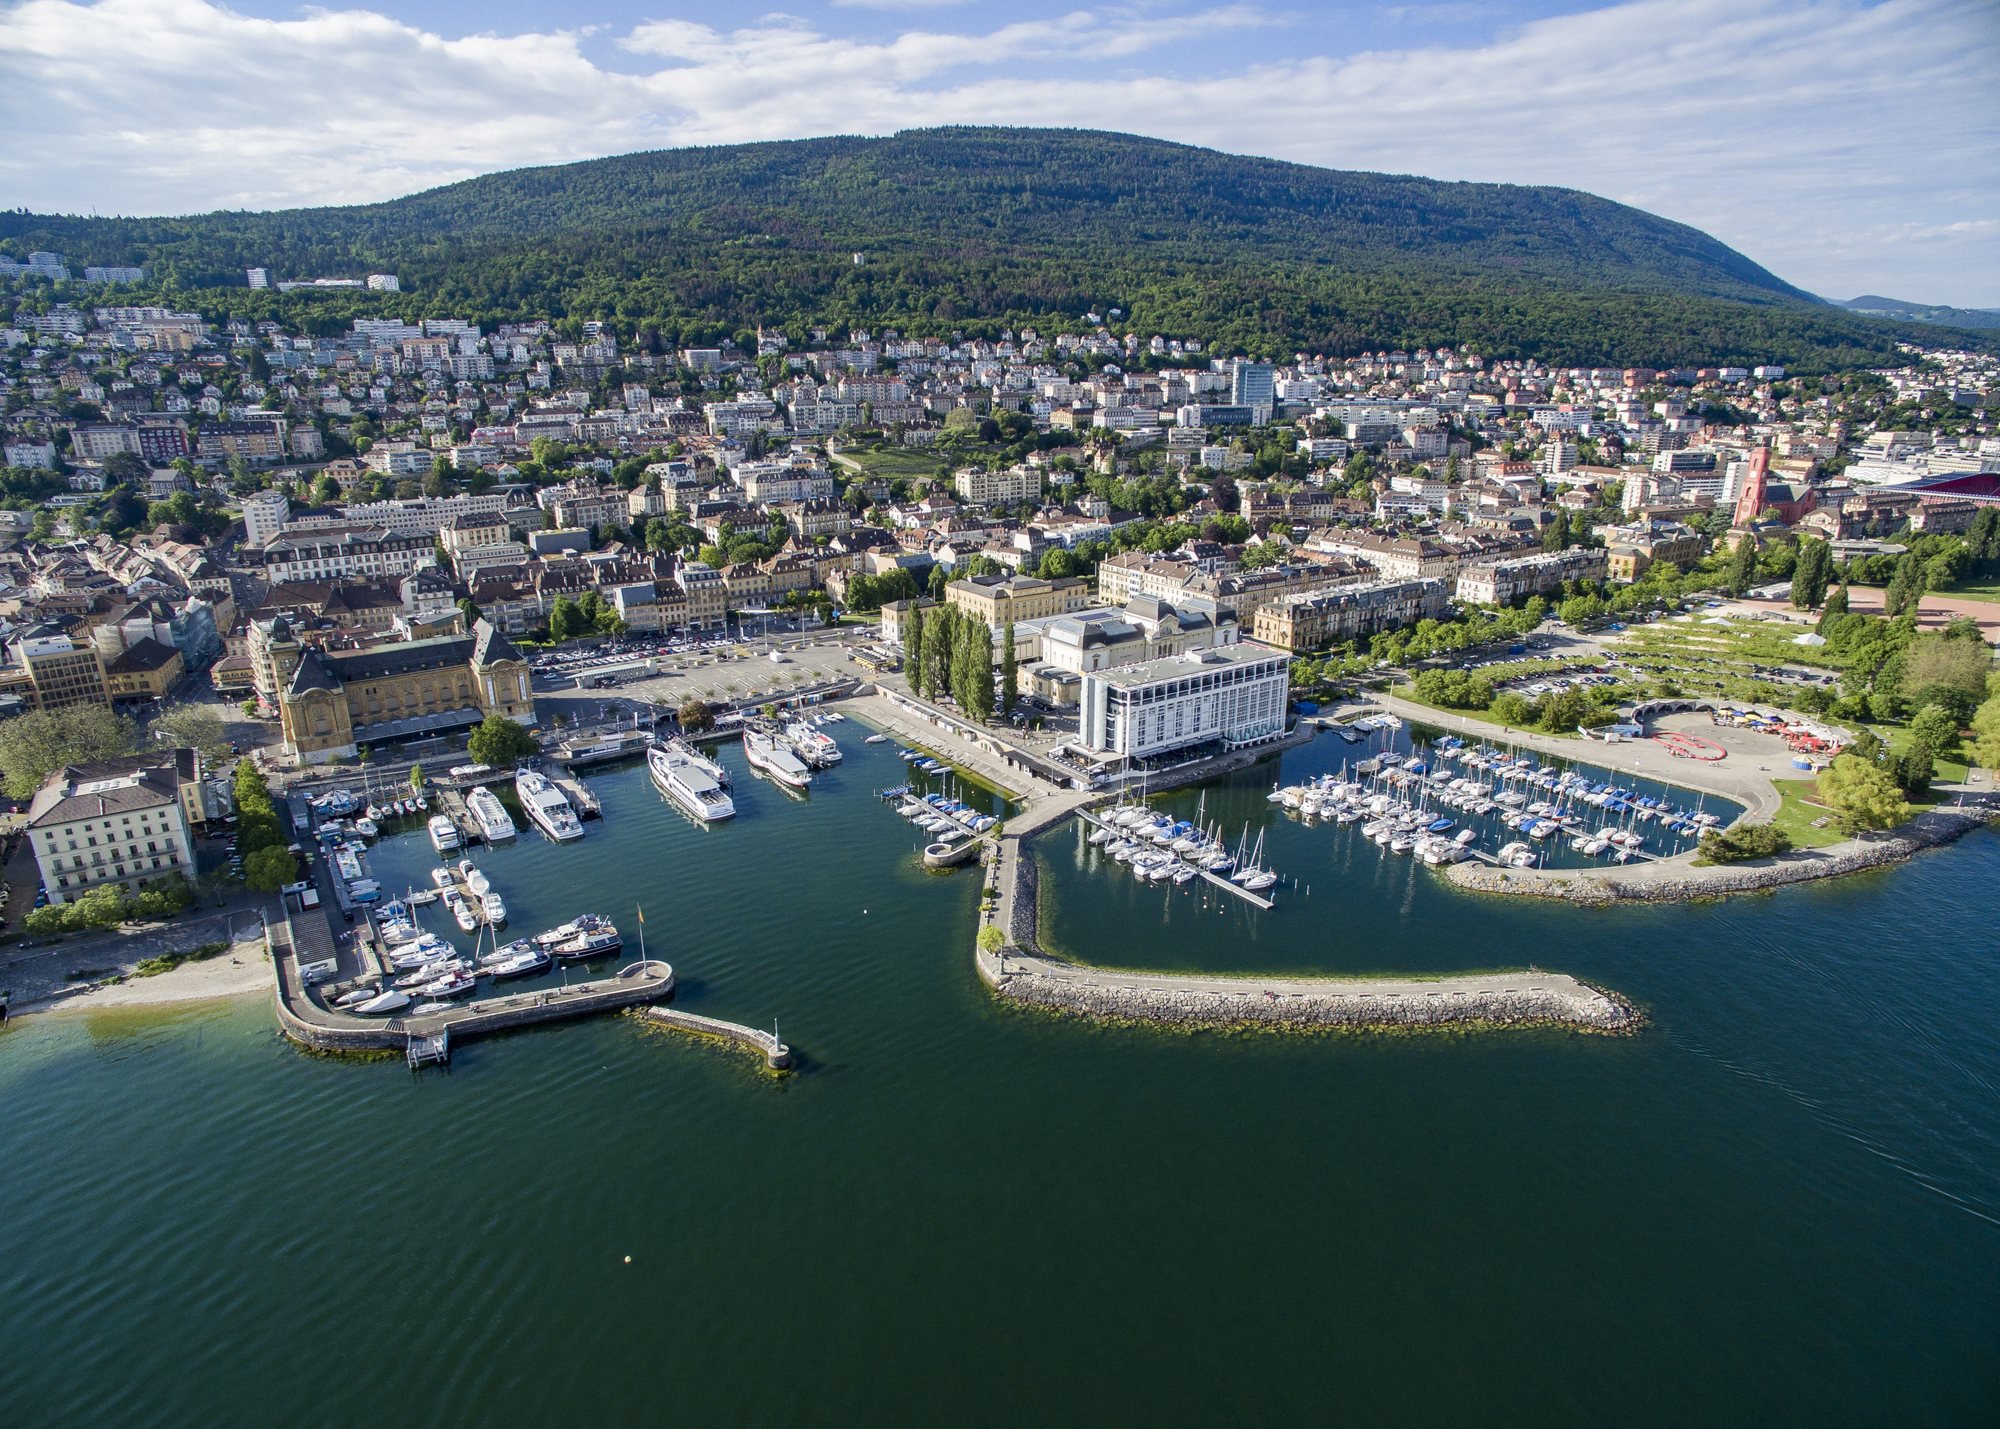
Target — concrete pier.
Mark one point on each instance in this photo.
(306, 938)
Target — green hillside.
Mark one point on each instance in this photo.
(1922, 312)
(975, 228)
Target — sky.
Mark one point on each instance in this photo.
(1849, 146)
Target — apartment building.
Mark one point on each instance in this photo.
(986, 488)
(1000, 599)
(118, 821)
(1317, 619)
(1504, 582)
(325, 553)
(264, 516)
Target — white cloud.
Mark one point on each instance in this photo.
(1848, 146)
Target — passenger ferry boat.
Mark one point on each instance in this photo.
(770, 756)
(601, 748)
(699, 760)
(690, 786)
(496, 825)
(547, 807)
(812, 745)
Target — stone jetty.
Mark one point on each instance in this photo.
(1015, 967)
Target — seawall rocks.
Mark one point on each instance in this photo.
(1666, 883)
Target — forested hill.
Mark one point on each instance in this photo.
(1923, 312)
(975, 228)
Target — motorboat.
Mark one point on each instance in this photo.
(463, 914)
(525, 963)
(419, 978)
(505, 951)
(383, 1004)
(493, 908)
(357, 997)
(454, 984)
(547, 807)
(576, 927)
(496, 825)
(474, 878)
(600, 943)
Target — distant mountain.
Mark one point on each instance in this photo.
(976, 228)
(1876, 307)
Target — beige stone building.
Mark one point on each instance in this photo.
(332, 702)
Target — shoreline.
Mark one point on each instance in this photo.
(242, 972)
(1681, 881)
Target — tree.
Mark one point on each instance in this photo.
(416, 778)
(123, 468)
(1934, 727)
(1836, 604)
(1934, 660)
(501, 742)
(1010, 674)
(566, 620)
(1906, 587)
(696, 716)
(1986, 734)
(1814, 570)
(1743, 565)
(269, 869)
(913, 646)
(194, 727)
(470, 610)
(35, 745)
(1862, 795)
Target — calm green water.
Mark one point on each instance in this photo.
(1780, 1205)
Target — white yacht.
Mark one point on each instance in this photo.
(769, 755)
(493, 908)
(444, 833)
(496, 825)
(547, 807)
(812, 745)
(688, 785)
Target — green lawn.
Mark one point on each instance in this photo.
(1795, 816)
(896, 463)
(1945, 768)
(1409, 692)
(1975, 590)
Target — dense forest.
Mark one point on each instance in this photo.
(975, 229)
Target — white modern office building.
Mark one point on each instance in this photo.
(1223, 697)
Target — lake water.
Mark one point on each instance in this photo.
(1780, 1204)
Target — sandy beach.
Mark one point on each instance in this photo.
(243, 971)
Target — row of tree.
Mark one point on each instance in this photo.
(949, 654)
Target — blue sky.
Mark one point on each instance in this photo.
(1848, 145)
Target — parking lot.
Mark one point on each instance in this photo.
(718, 670)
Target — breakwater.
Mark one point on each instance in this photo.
(1011, 962)
(1679, 880)
(777, 1055)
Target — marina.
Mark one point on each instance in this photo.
(1813, 1162)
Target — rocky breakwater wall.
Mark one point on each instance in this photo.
(1014, 967)
(1514, 1000)
(1681, 881)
